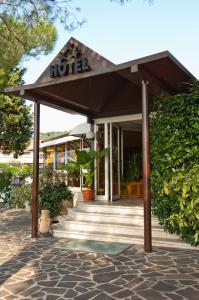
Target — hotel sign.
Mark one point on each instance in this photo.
(71, 62)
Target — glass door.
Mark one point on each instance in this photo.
(114, 161)
(109, 134)
(101, 166)
(107, 169)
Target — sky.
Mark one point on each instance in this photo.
(121, 33)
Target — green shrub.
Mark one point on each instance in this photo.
(26, 171)
(52, 191)
(5, 179)
(184, 188)
(21, 196)
(6, 174)
(9, 171)
(175, 161)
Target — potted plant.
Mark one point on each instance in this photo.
(133, 175)
(136, 167)
(85, 165)
(53, 192)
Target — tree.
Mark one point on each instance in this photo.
(15, 120)
(27, 29)
(175, 163)
(20, 41)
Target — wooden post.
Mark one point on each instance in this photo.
(35, 185)
(146, 168)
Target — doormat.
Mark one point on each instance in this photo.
(93, 246)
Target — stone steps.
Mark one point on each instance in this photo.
(111, 223)
(110, 209)
(61, 232)
(107, 217)
(70, 224)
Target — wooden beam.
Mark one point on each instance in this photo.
(35, 185)
(60, 104)
(147, 75)
(146, 168)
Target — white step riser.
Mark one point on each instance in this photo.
(136, 241)
(111, 209)
(134, 220)
(108, 229)
(110, 218)
(91, 236)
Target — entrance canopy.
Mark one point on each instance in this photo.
(79, 80)
(82, 81)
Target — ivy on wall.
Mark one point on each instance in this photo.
(175, 163)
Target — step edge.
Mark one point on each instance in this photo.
(75, 211)
(80, 222)
(121, 235)
(109, 206)
(98, 234)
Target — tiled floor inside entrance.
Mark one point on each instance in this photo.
(34, 269)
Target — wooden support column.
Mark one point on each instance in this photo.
(35, 185)
(146, 168)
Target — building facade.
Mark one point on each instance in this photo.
(25, 159)
(117, 100)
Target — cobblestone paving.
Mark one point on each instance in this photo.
(36, 270)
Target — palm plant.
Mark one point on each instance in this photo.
(85, 165)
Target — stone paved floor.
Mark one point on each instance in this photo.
(36, 270)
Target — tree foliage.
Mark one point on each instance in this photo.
(27, 29)
(175, 163)
(49, 10)
(17, 41)
(15, 120)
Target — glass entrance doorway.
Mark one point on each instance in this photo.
(114, 162)
(110, 170)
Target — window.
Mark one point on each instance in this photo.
(87, 144)
(73, 175)
(71, 148)
(49, 154)
(59, 156)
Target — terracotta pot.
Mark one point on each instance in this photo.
(45, 221)
(89, 195)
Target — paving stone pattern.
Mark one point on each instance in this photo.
(35, 269)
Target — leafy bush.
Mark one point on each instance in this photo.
(184, 187)
(6, 174)
(175, 163)
(8, 171)
(21, 196)
(26, 171)
(52, 191)
(5, 179)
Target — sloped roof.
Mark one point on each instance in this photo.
(107, 88)
(58, 141)
(98, 62)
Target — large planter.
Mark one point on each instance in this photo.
(135, 189)
(45, 222)
(89, 195)
(65, 205)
